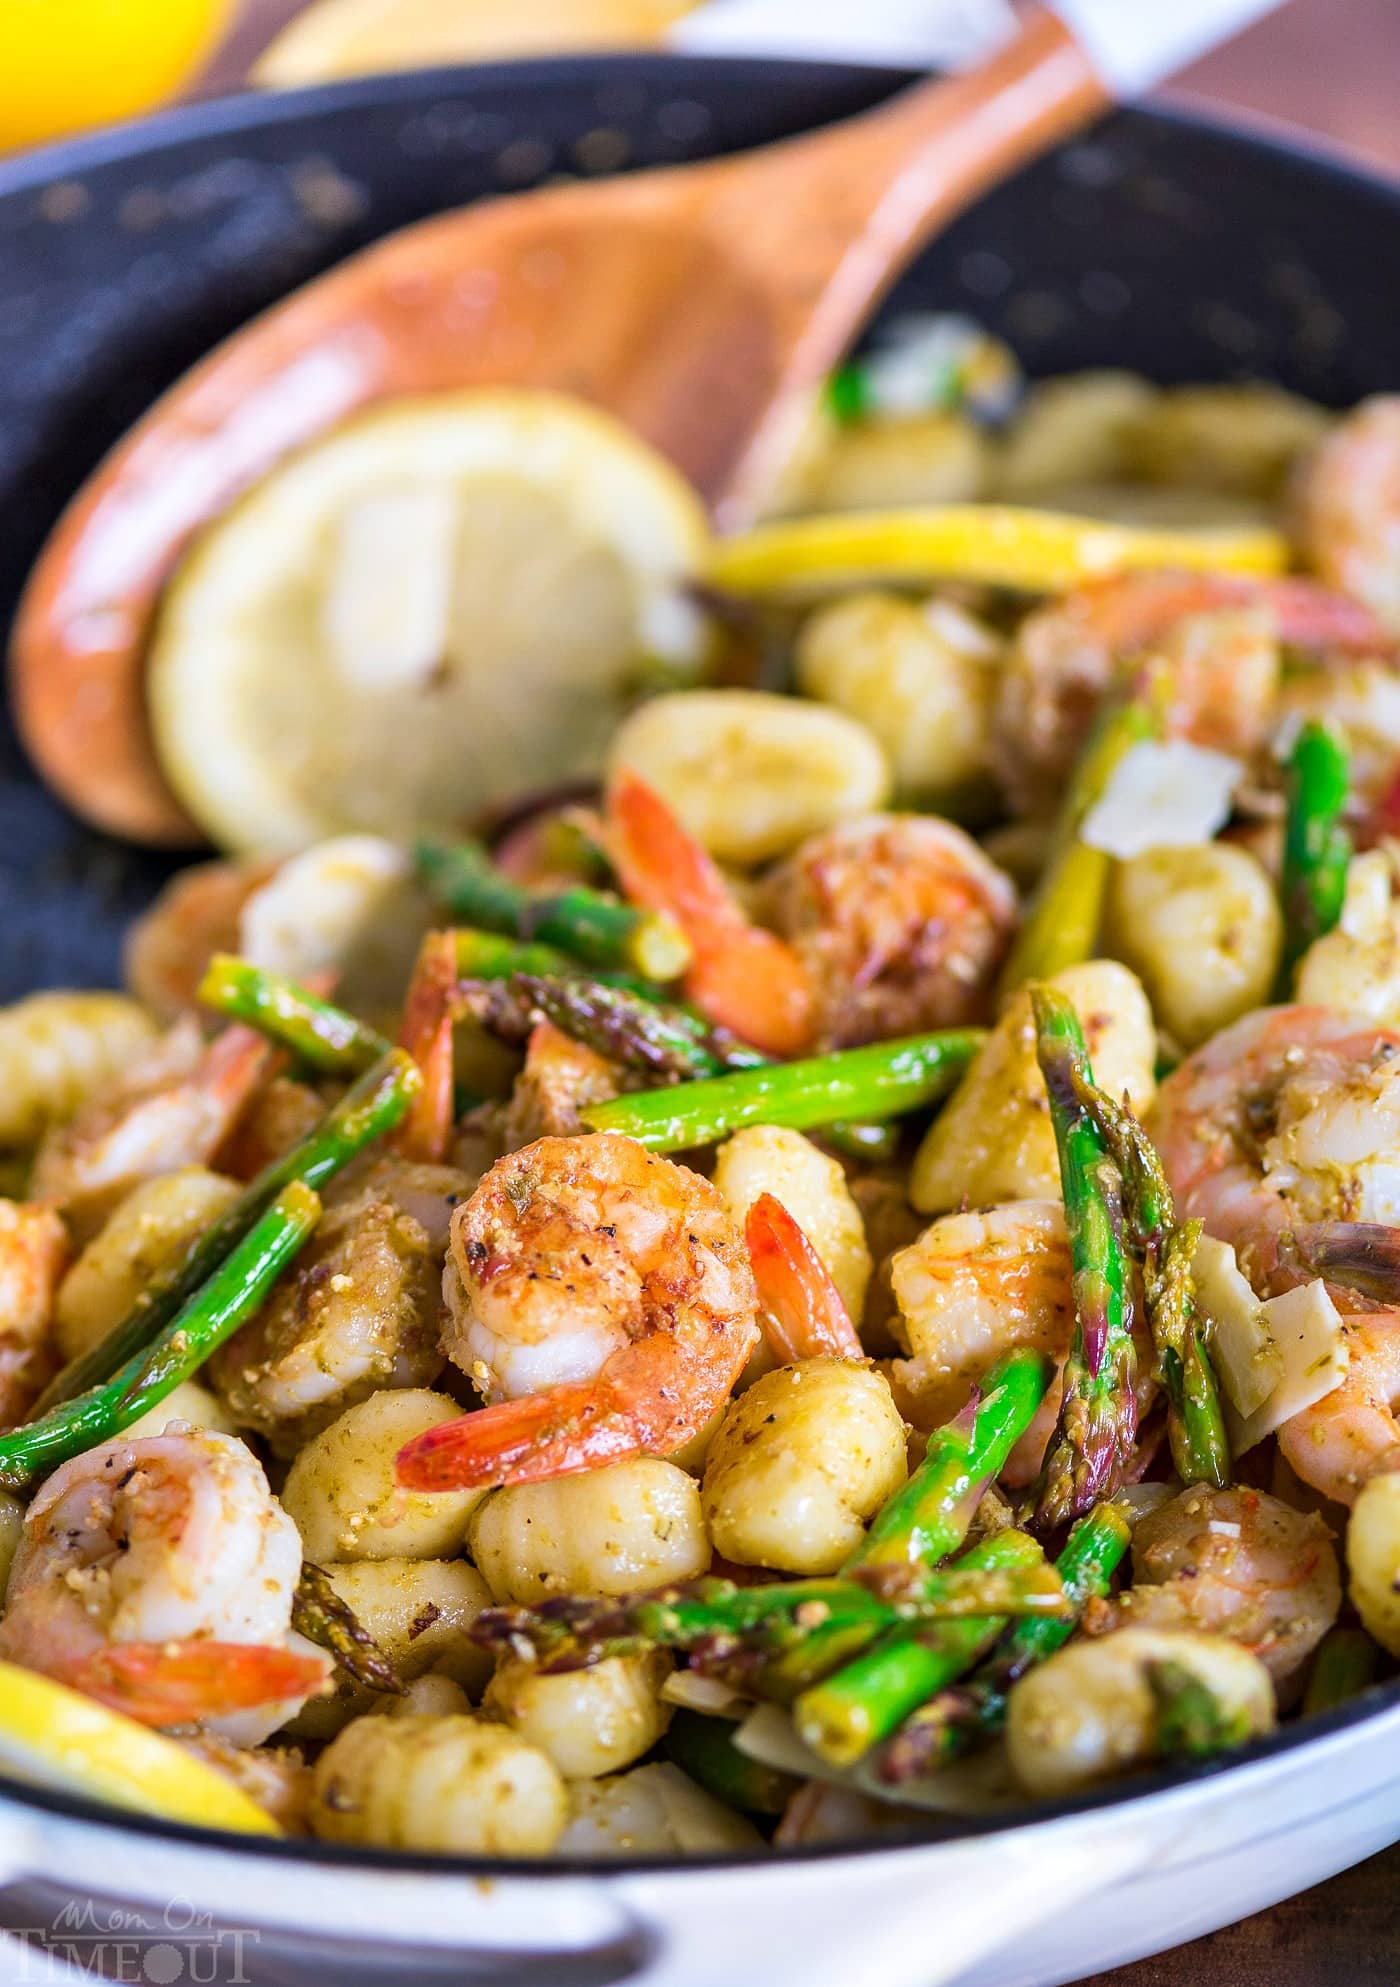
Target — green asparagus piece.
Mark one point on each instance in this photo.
(1200, 1445)
(1345, 1664)
(885, 1079)
(968, 1714)
(1316, 846)
(705, 1749)
(1190, 1718)
(639, 1034)
(1098, 1417)
(483, 955)
(372, 1105)
(317, 1033)
(486, 955)
(726, 1624)
(215, 1311)
(1062, 926)
(599, 930)
(929, 1517)
(847, 1713)
(319, 1613)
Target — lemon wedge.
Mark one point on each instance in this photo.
(441, 602)
(356, 37)
(54, 1737)
(987, 544)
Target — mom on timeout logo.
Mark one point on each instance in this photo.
(85, 1940)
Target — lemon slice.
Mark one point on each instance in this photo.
(54, 1737)
(987, 544)
(355, 37)
(439, 603)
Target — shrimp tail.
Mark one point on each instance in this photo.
(802, 1311)
(429, 1012)
(1361, 1255)
(178, 1683)
(558, 1433)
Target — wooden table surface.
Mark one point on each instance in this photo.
(1332, 66)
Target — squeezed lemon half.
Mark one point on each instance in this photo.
(443, 601)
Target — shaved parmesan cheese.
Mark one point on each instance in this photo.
(968, 1786)
(1167, 795)
(1308, 1331)
(704, 1694)
(1242, 1347)
(349, 907)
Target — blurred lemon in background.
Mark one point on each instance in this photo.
(355, 37)
(68, 64)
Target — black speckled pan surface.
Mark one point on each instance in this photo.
(1158, 243)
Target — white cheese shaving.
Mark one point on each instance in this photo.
(1242, 1347)
(1167, 795)
(705, 1694)
(1308, 1332)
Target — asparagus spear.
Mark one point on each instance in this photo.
(847, 1713)
(705, 1749)
(964, 1715)
(319, 1613)
(1316, 847)
(599, 930)
(929, 1517)
(666, 1042)
(1098, 1416)
(1062, 926)
(317, 1033)
(373, 1105)
(882, 1080)
(486, 955)
(1196, 1430)
(726, 1624)
(230, 1296)
(1346, 1662)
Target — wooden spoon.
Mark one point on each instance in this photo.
(700, 304)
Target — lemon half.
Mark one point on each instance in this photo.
(54, 1737)
(441, 602)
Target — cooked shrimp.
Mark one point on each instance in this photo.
(742, 976)
(34, 1254)
(1347, 506)
(173, 1107)
(1236, 1563)
(1289, 1118)
(1351, 1434)
(197, 914)
(358, 1311)
(901, 923)
(602, 1298)
(1218, 636)
(158, 1574)
(972, 1287)
(969, 1289)
(803, 1315)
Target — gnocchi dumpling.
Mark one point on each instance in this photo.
(752, 775)
(590, 1722)
(452, 1784)
(610, 1531)
(801, 1464)
(345, 1500)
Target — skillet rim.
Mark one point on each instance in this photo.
(247, 110)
